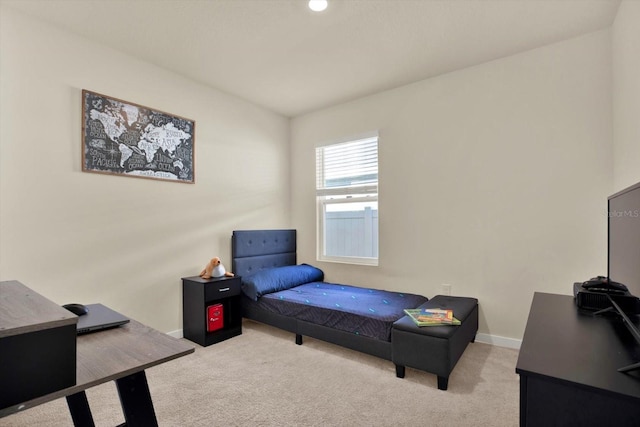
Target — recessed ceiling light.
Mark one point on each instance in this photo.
(317, 5)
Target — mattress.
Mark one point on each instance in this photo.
(361, 311)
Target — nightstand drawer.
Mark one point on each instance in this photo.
(222, 289)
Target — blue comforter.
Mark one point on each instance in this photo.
(362, 311)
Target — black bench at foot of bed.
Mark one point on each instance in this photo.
(435, 349)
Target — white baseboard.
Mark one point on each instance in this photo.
(176, 334)
(499, 341)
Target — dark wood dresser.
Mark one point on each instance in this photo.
(568, 365)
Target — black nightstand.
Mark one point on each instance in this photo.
(198, 295)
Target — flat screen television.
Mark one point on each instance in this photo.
(623, 259)
(623, 254)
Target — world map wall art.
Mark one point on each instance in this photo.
(124, 138)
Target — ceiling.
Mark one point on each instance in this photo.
(280, 55)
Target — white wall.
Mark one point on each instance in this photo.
(492, 178)
(626, 95)
(124, 242)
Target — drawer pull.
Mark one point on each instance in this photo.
(224, 289)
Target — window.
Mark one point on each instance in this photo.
(347, 198)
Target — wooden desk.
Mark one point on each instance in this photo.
(568, 365)
(121, 355)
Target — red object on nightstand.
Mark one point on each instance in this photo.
(215, 317)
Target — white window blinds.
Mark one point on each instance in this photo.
(347, 168)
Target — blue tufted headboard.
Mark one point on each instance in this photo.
(255, 250)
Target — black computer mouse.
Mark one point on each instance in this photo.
(77, 309)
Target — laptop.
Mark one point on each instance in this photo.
(98, 318)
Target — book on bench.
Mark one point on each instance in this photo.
(432, 316)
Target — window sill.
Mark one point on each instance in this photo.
(373, 262)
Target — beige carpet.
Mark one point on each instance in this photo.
(262, 378)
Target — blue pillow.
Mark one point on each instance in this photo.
(278, 279)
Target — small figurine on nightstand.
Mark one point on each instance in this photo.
(215, 269)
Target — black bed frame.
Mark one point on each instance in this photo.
(434, 349)
(255, 250)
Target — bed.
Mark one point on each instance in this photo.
(294, 297)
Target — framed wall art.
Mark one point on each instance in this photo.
(124, 138)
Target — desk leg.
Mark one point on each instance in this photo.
(136, 401)
(80, 411)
